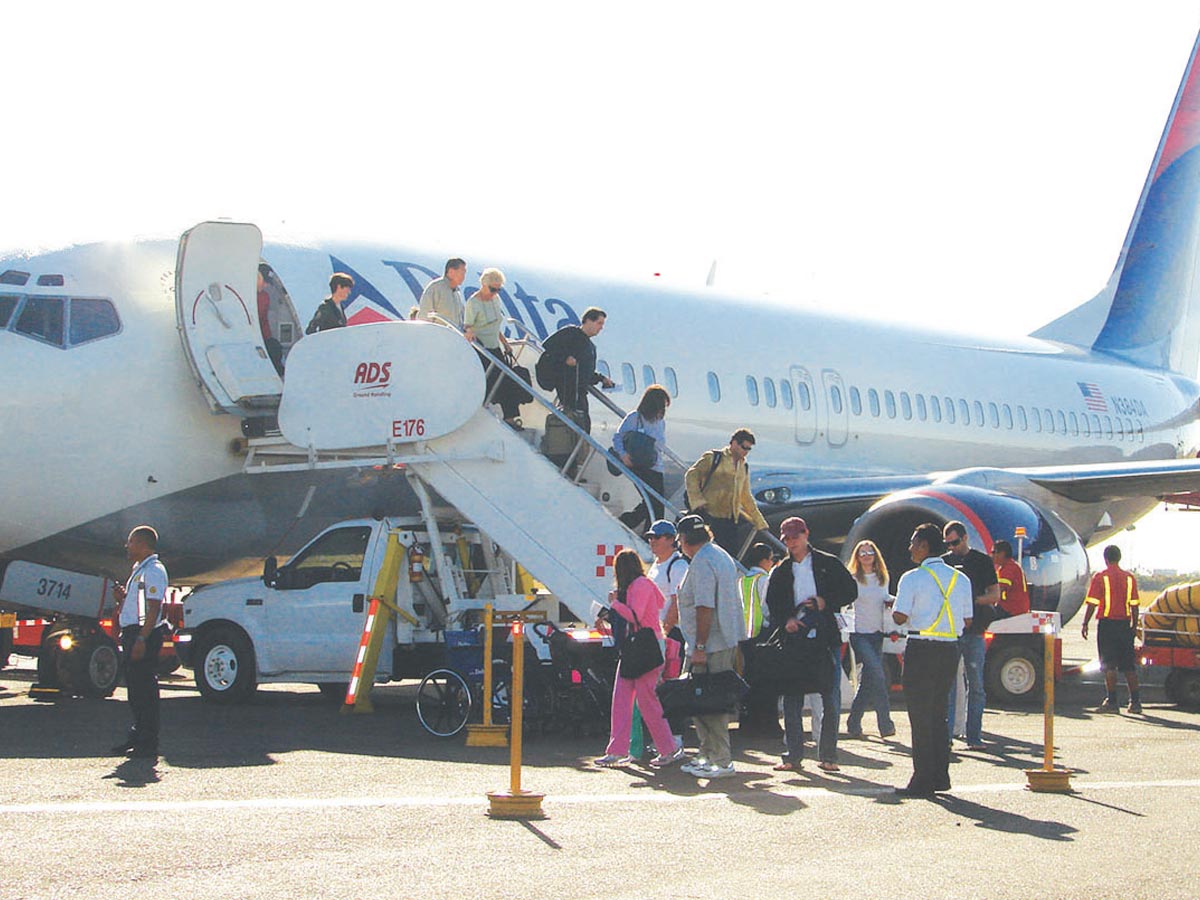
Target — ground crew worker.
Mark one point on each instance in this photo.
(760, 709)
(935, 602)
(1113, 597)
(718, 488)
(140, 617)
(1014, 590)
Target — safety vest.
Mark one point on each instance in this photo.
(1106, 611)
(752, 611)
(945, 610)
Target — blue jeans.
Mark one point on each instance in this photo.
(831, 710)
(872, 690)
(973, 649)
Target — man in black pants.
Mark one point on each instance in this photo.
(139, 614)
(935, 602)
(573, 355)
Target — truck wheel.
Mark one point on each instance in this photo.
(6, 645)
(1013, 674)
(47, 660)
(90, 668)
(224, 665)
(1186, 688)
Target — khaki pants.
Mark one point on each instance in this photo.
(713, 731)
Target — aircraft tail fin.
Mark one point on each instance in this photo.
(1149, 312)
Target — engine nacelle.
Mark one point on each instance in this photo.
(1053, 557)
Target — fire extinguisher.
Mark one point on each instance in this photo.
(416, 563)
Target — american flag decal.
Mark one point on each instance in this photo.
(1093, 399)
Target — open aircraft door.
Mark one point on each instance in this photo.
(215, 304)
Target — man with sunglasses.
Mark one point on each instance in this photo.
(718, 489)
(986, 593)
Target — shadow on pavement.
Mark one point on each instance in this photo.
(999, 820)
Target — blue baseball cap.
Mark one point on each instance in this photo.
(661, 528)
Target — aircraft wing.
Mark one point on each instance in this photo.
(1096, 482)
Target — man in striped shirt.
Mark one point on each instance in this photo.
(1113, 597)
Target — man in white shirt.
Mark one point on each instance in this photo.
(936, 604)
(442, 297)
(140, 617)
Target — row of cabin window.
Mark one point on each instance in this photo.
(61, 321)
(997, 415)
(628, 381)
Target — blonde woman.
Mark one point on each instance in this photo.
(870, 611)
(483, 321)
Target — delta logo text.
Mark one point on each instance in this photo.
(372, 379)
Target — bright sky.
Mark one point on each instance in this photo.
(973, 162)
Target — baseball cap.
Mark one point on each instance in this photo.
(661, 528)
(690, 524)
(792, 527)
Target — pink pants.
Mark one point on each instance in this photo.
(625, 691)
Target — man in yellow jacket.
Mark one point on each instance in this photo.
(718, 488)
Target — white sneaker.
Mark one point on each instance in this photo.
(695, 766)
(667, 759)
(613, 762)
(720, 771)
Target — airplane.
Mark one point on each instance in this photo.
(137, 369)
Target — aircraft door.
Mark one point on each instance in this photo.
(215, 304)
(805, 405)
(837, 416)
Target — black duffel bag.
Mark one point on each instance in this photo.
(702, 694)
(792, 664)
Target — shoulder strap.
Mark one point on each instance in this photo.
(716, 462)
(671, 564)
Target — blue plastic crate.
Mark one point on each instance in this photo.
(464, 652)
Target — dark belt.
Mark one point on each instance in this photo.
(925, 640)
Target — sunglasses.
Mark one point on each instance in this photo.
(866, 552)
(746, 447)
(954, 543)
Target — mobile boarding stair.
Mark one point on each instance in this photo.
(411, 395)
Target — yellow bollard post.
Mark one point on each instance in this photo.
(487, 734)
(516, 803)
(1048, 779)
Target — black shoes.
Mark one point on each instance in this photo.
(126, 746)
(914, 793)
(144, 753)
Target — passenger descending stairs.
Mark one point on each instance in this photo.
(423, 409)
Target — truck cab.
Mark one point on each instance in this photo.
(302, 621)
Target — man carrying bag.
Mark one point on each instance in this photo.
(710, 616)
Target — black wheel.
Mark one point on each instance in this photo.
(47, 661)
(443, 703)
(224, 665)
(6, 645)
(1014, 673)
(91, 667)
(334, 691)
(1186, 688)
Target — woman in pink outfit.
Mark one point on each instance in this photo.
(639, 602)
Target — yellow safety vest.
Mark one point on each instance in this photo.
(752, 612)
(945, 610)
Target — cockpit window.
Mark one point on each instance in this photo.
(12, 276)
(42, 318)
(92, 319)
(7, 304)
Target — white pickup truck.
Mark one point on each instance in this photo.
(302, 621)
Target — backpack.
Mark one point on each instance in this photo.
(548, 372)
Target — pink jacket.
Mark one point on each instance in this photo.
(646, 601)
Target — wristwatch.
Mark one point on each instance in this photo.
(699, 646)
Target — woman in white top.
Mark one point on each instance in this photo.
(483, 320)
(871, 622)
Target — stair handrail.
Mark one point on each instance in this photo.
(642, 488)
(531, 339)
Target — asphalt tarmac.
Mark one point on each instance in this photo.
(285, 798)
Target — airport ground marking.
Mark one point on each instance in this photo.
(301, 804)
